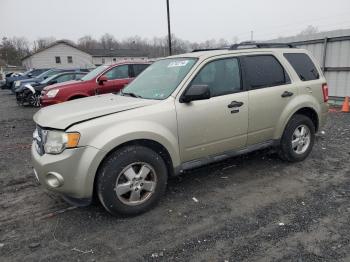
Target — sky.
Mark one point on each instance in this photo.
(193, 20)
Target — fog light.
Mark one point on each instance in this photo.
(54, 179)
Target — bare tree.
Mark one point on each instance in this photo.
(42, 42)
(87, 42)
(108, 41)
(309, 30)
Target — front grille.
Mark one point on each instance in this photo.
(39, 139)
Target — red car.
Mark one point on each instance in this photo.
(101, 80)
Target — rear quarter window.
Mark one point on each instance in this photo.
(303, 66)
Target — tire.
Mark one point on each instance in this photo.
(292, 148)
(115, 176)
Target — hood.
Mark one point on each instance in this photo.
(61, 116)
(47, 88)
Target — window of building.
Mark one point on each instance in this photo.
(303, 66)
(58, 60)
(103, 60)
(69, 59)
(222, 77)
(114, 59)
(263, 71)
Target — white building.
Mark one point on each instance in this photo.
(63, 54)
(60, 54)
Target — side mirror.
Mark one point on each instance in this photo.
(102, 79)
(195, 92)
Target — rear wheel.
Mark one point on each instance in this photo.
(298, 139)
(131, 180)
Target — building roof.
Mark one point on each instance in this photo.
(66, 42)
(96, 52)
(320, 35)
(116, 53)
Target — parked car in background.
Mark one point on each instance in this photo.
(2, 79)
(103, 79)
(28, 74)
(20, 83)
(182, 112)
(30, 93)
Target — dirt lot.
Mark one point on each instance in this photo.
(251, 208)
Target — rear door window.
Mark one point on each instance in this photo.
(263, 71)
(303, 66)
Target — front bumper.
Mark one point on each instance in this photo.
(76, 169)
(48, 102)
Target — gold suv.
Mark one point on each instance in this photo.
(182, 112)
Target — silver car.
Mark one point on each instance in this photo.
(182, 112)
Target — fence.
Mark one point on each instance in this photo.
(333, 54)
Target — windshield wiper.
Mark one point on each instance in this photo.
(130, 94)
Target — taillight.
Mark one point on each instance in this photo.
(325, 92)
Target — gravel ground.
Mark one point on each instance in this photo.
(250, 208)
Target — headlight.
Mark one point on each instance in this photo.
(52, 93)
(17, 83)
(57, 141)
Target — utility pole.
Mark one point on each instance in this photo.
(169, 32)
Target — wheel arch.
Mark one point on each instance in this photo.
(76, 96)
(306, 110)
(149, 143)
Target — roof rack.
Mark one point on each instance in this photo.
(210, 49)
(252, 44)
(249, 45)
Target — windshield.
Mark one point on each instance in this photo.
(94, 73)
(160, 79)
(46, 73)
(48, 79)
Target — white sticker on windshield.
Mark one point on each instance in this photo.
(178, 63)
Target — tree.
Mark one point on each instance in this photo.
(87, 43)
(108, 42)
(309, 30)
(13, 49)
(42, 42)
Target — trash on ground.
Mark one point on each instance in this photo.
(281, 224)
(34, 244)
(195, 199)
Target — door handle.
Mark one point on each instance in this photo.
(286, 94)
(235, 104)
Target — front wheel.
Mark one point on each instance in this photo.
(131, 180)
(34, 100)
(298, 139)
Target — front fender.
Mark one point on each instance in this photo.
(299, 102)
(115, 135)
